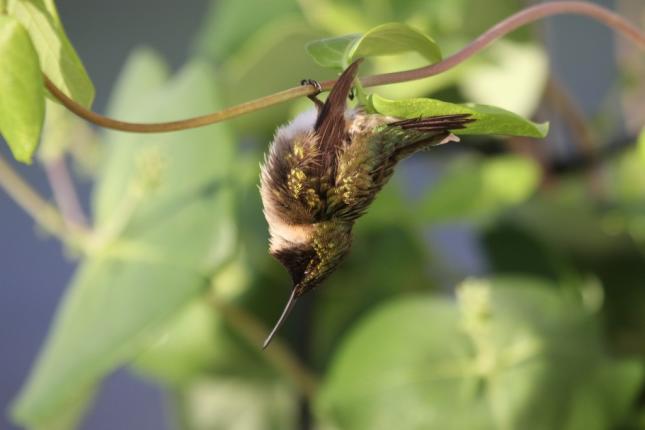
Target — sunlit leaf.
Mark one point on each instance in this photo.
(386, 39)
(489, 120)
(58, 58)
(331, 52)
(22, 100)
(394, 38)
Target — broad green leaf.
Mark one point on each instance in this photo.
(58, 59)
(512, 346)
(386, 39)
(184, 347)
(165, 224)
(22, 100)
(110, 307)
(474, 187)
(394, 38)
(331, 52)
(489, 120)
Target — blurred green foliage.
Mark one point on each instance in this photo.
(550, 338)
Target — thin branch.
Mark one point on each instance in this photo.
(31, 202)
(526, 16)
(65, 194)
(277, 353)
(562, 103)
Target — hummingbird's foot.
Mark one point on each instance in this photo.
(313, 97)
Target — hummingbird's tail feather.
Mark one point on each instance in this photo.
(285, 313)
(330, 126)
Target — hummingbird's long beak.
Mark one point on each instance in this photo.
(285, 313)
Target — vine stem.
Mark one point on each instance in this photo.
(65, 194)
(525, 16)
(31, 202)
(277, 353)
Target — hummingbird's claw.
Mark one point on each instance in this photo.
(314, 84)
(318, 89)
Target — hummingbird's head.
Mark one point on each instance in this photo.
(320, 249)
(310, 253)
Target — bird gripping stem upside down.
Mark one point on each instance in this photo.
(324, 169)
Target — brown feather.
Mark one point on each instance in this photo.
(330, 125)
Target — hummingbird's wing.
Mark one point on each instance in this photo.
(421, 133)
(366, 165)
(330, 126)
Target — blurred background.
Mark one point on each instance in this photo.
(561, 218)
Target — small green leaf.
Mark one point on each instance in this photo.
(58, 59)
(394, 38)
(386, 39)
(489, 120)
(331, 52)
(22, 99)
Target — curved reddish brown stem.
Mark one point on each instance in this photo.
(525, 16)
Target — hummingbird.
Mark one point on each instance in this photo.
(323, 170)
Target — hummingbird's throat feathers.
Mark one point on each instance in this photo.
(314, 252)
(284, 236)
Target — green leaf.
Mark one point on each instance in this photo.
(331, 51)
(164, 212)
(394, 38)
(58, 59)
(22, 100)
(386, 39)
(184, 347)
(511, 347)
(489, 120)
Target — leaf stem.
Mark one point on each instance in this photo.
(65, 194)
(277, 353)
(521, 18)
(34, 204)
